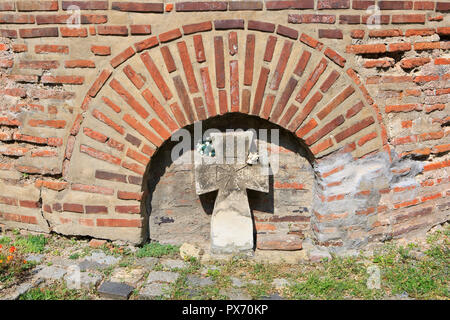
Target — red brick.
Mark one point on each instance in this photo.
(38, 32)
(178, 114)
(111, 104)
(67, 19)
(34, 5)
(232, 43)
(234, 85)
(287, 92)
(329, 81)
(260, 88)
(309, 106)
(327, 128)
(270, 47)
(103, 118)
(146, 44)
(7, 6)
(156, 75)
(104, 175)
(281, 66)
(335, 57)
(140, 29)
(302, 63)
(207, 89)
(443, 31)
(149, 135)
(7, 33)
(63, 79)
(354, 129)
(99, 82)
(357, 34)
(128, 209)
(408, 18)
(385, 33)
(73, 32)
(413, 62)
(312, 18)
(347, 92)
(199, 49)
(349, 19)
(137, 79)
(201, 6)
(73, 207)
(366, 48)
(122, 57)
(261, 26)
(86, 5)
(184, 98)
(128, 98)
(118, 223)
(306, 128)
(310, 41)
(138, 7)
(395, 5)
(296, 4)
(333, 4)
(159, 128)
(79, 64)
(112, 30)
(170, 35)
(442, 6)
(94, 135)
(187, 66)
(223, 102)
(229, 24)
(330, 33)
(99, 154)
(101, 50)
(354, 110)
(219, 62)
(92, 189)
(125, 195)
(287, 32)
(402, 108)
(159, 109)
(16, 18)
(197, 27)
(311, 81)
(245, 5)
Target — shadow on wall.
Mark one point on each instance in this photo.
(174, 213)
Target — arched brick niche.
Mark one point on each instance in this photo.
(169, 81)
(76, 148)
(281, 217)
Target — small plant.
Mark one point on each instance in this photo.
(12, 263)
(157, 250)
(74, 256)
(54, 292)
(31, 244)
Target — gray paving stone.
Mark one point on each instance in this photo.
(162, 276)
(280, 283)
(51, 273)
(272, 297)
(153, 290)
(236, 294)
(236, 282)
(147, 262)
(90, 265)
(87, 280)
(36, 258)
(115, 290)
(197, 281)
(174, 264)
(101, 258)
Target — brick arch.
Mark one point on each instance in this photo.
(168, 81)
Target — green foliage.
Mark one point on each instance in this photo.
(31, 244)
(54, 292)
(74, 256)
(157, 250)
(5, 240)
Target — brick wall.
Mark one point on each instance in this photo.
(84, 109)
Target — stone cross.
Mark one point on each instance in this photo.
(230, 174)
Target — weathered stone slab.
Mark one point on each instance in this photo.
(147, 262)
(230, 174)
(153, 290)
(36, 258)
(86, 280)
(101, 258)
(162, 276)
(115, 290)
(197, 281)
(174, 264)
(127, 275)
(51, 273)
